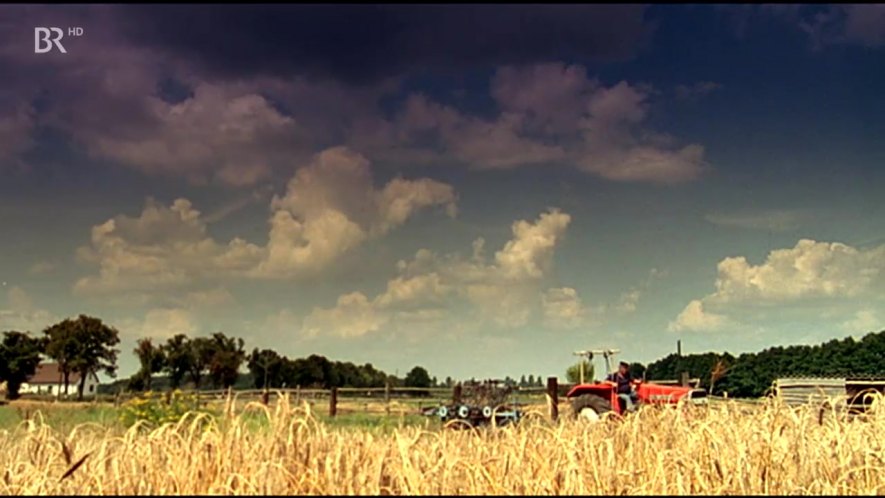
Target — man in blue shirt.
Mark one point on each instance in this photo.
(625, 386)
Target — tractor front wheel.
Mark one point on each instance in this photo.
(590, 407)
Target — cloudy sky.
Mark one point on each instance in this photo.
(479, 190)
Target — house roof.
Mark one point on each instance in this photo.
(48, 373)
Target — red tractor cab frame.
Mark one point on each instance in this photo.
(602, 396)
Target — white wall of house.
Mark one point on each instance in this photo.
(59, 388)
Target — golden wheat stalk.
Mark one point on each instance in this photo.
(283, 449)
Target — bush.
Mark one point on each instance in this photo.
(157, 409)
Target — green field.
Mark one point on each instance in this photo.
(63, 417)
(60, 416)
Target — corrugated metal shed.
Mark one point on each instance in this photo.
(799, 391)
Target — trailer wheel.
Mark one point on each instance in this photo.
(590, 407)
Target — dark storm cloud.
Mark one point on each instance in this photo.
(365, 43)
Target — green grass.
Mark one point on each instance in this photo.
(60, 417)
(8, 417)
(375, 422)
(63, 417)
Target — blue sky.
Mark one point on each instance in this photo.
(474, 190)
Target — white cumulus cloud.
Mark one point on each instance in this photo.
(827, 275)
(330, 208)
(502, 291)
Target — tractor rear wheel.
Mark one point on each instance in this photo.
(590, 407)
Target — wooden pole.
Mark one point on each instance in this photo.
(553, 393)
(333, 402)
(683, 379)
(265, 397)
(387, 397)
(678, 348)
(456, 394)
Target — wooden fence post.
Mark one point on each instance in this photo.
(553, 393)
(387, 398)
(265, 397)
(333, 402)
(298, 394)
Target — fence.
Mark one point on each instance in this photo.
(386, 400)
(344, 400)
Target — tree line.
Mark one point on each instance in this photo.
(85, 346)
(218, 359)
(752, 374)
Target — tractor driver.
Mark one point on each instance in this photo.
(625, 385)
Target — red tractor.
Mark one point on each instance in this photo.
(592, 401)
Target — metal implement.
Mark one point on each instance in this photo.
(480, 403)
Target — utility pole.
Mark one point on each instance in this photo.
(678, 347)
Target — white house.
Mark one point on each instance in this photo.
(49, 380)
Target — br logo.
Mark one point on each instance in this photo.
(45, 38)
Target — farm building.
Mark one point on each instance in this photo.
(49, 380)
(798, 391)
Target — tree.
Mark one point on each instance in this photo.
(84, 346)
(573, 373)
(637, 370)
(227, 357)
(151, 359)
(266, 367)
(200, 352)
(395, 381)
(61, 346)
(177, 353)
(19, 357)
(417, 377)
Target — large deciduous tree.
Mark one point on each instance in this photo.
(151, 359)
(19, 357)
(85, 346)
(417, 377)
(201, 350)
(228, 354)
(178, 359)
(61, 346)
(266, 367)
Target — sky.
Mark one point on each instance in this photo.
(479, 190)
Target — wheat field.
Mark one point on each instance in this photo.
(723, 448)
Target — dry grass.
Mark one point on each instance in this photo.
(719, 449)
